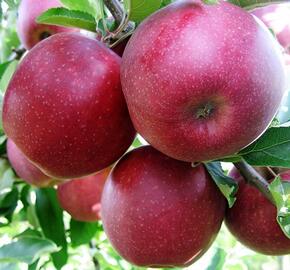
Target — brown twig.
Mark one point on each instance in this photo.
(253, 177)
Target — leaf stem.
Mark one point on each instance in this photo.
(116, 10)
(253, 177)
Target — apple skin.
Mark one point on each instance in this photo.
(252, 220)
(277, 18)
(30, 32)
(64, 107)
(160, 212)
(81, 198)
(25, 169)
(202, 81)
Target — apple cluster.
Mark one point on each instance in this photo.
(198, 82)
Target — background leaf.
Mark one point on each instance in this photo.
(82, 232)
(227, 185)
(68, 18)
(218, 260)
(26, 249)
(50, 218)
(7, 75)
(3, 67)
(280, 191)
(88, 6)
(271, 149)
(139, 9)
(248, 4)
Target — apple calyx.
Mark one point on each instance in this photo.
(205, 111)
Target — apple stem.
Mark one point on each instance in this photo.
(254, 178)
(116, 10)
(17, 53)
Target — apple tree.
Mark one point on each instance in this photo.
(144, 134)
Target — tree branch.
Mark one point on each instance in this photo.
(116, 9)
(253, 177)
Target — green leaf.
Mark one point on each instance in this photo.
(8, 203)
(138, 10)
(29, 233)
(251, 4)
(12, 3)
(82, 232)
(1, 11)
(9, 265)
(271, 149)
(227, 185)
(210, 2)
(166, 2)
(33, 266)
(26, 249)
(7, 177)
(88, 6)
(50, 217)
(69, 18)
(218, 260)
(7, 75)
(280, 191)
(32, 216)
(3, 67)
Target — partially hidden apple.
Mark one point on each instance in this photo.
(160, 212)
(64, 107)
(81, 198)
(252, 219)
(25, 169)
(277, 18)
(202, 81)
(29, 31)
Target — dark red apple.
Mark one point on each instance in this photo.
(25, 169)
(202, 81)
(64, 107)
(30, 32)
(277, 18)
(81, 198)
(120, 47)
(160, 212)
(252, 220)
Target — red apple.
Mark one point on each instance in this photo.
(120, 47)
(25, 169)
(160, 212)
(30, 32)
(64, 107)
(277, 18)
(202, 81)
(252, 220)
(81, 198)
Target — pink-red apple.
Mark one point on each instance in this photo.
(160, 212)
(252, 220)
(30, 32)
(64, 107)
(81, 198)
(277, 18)
(25, 169)
(202, 81)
